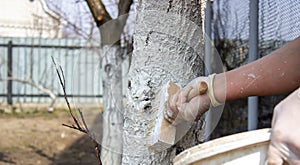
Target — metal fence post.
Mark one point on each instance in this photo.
(207, 58)
(253, 55)
(9, 72)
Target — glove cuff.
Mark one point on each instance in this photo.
(210, 91)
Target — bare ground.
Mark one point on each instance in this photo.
(33, 139)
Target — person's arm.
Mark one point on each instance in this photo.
(276, 73)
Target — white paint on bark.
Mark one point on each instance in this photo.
(111, 144)
(168, 45)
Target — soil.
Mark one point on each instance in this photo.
(40, 138)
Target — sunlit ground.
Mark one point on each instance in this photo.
(37, 137)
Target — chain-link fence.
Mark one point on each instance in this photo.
(279, 23)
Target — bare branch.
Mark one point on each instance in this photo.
(97, 152)
(124, 6)
(73, 26)
(83, 121)
(63, 75)
(85, 130)
(41, 88)
(33, 84)
(62, 82)
(74, 127)
(98, 11)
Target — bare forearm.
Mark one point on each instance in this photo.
(273, 74)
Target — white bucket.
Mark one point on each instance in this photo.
(243, 148)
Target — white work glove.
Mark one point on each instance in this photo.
(179, 109)
(285, 136)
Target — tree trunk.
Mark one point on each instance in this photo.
(110, 35)
(168, 45)
(111, 150)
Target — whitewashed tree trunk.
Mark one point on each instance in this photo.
(112, 123)
(168, 45)
(110, 36)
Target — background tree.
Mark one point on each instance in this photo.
(111, 53)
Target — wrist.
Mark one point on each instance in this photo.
(211, 91)
(219, 85)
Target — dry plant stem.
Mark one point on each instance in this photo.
(83, 121)
(62, 83)
(78, 127)
(97, 152)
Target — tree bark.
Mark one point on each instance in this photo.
(168, 45)
(111, 152)
(112, 123)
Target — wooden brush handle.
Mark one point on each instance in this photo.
(199, 90)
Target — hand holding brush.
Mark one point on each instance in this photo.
(189, 103)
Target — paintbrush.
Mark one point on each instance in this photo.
(164, 132)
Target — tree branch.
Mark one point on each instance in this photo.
(62, 83)
(124, 6)
(33, 84)
(99, 12)
(41, 88)
(110, 29)
(78, 127)
(74, 127)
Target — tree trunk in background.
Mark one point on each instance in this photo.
(111, 54)
(111, 145)
(168, 45)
